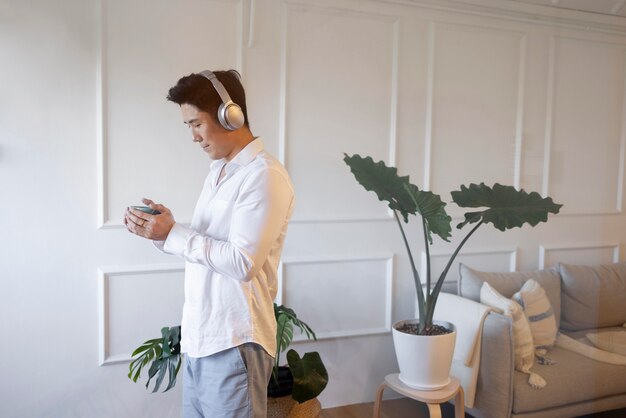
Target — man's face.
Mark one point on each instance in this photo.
(211, 136)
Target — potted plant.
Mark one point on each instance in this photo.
(292, 390)
(502, 206)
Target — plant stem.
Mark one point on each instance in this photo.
(427, 249)
(279, 339)
(275, 374)
(444, 273)
(416, 277)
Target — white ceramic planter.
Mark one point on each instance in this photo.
(424, 360)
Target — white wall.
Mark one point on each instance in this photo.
(449, 96)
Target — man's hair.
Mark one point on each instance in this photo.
(197, 90)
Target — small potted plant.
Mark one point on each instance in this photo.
(502, 206)
(292, 390)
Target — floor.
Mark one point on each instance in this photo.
(404, 407)
(397, 408)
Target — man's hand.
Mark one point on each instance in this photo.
(154, 227)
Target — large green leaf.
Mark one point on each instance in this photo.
(163, 355)
(506, 207)
(384, 181)
(401, 195)
(309, 375)
(284, 333)
(165, 332)
(146, 346)
(286, 318)
(432, 209)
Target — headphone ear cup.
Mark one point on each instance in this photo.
(230, 116)
(229, 113)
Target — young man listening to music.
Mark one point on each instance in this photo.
(231, 250)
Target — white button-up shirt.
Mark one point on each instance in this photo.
(232, 249)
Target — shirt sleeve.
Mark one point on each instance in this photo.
(259, 216)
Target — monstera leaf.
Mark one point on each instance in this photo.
(401, 195)
(384, 181)
(286, 318)
(309, 375)
(506, 207)
(163, 355)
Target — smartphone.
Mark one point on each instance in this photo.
(147, 209)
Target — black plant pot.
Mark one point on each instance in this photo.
(284, 386)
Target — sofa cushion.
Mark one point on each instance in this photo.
(592, 296)
(522, 336)
(572, 380)
(533, 300)
(470, 282)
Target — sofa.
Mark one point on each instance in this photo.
(584, 300)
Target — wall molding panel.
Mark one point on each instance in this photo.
(290, 7)
(610, 248)
(618, 142)
(101, 120)
(435, 51)
(549, 121)
(519, 119)
(287, 84)
(622, 150)
(430, 86)
(385, 264)
(105, 275)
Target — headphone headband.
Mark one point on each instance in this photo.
(219, 87)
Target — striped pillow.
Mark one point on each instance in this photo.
(522, 337)
(533, 300)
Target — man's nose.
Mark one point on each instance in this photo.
(195, 137)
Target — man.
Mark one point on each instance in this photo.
(231, 249)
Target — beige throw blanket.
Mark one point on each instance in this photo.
(468, 317)
(610, 340)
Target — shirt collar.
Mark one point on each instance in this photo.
(243, 158)
(249, 153)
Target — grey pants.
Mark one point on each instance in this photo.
(228, 384)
